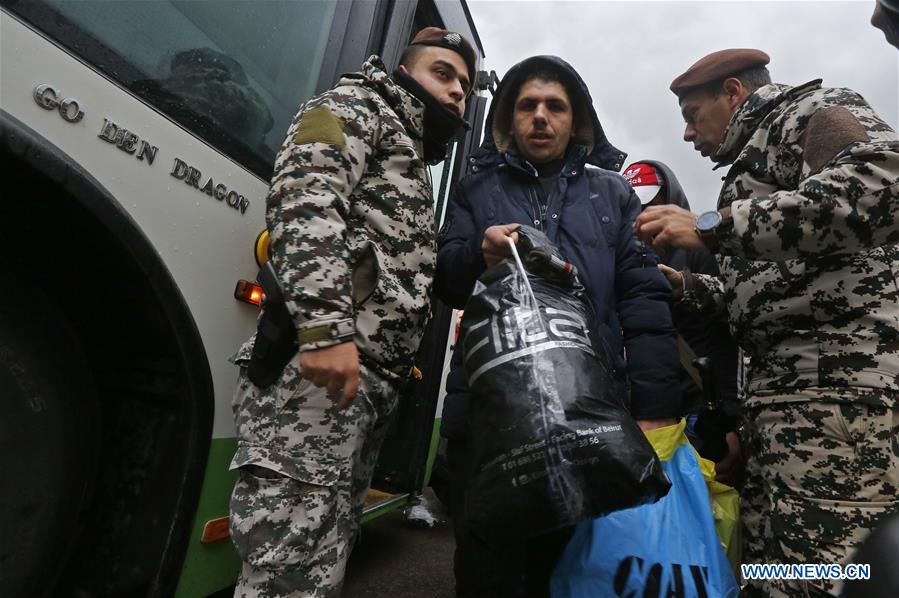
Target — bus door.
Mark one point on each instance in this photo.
(410, 446)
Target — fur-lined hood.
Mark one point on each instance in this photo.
(587, 132)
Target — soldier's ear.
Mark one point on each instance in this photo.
(734, 90)
(402, 68)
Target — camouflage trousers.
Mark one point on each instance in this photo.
(820, 477)
(305, 468)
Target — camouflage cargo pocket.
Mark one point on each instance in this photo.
(281, 522)
(817, 530)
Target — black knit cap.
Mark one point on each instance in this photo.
(434, 36)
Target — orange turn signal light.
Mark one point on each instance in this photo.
(215, 530)
(248, 292)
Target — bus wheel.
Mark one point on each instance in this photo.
(49, 438)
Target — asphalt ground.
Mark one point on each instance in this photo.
(396, 559)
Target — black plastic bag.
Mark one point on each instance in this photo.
(551, 443)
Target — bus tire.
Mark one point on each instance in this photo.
(49, 440)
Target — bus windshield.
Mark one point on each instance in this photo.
(230, 73)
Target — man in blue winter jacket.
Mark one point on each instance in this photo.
(546, 162)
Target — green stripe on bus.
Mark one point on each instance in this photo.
(211, 567)
(432, 451)
(389, 508)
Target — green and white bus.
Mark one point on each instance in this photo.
(137, 143)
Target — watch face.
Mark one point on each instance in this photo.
(708, 220)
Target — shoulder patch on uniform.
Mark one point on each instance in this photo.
(829, 132)
(320, 125)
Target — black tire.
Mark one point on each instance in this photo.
(49, 439)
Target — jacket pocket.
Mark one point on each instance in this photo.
(279, 521)
(365, 275)
(604, 228)
(782, 287)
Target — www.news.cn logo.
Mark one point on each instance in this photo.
(806, 571)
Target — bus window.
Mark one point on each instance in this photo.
(440, 182)
(230, 73)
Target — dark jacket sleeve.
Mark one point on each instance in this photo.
(712, 339)
(642, 298)
(459, 257)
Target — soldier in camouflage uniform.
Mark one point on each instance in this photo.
(353, 245)
(806, 236)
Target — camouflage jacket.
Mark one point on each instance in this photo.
(351, 220)
(809, 269)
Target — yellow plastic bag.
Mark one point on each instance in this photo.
(725, 501)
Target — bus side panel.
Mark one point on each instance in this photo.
(204, 243)
(213, 566)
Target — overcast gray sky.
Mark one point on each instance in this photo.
(628, 52)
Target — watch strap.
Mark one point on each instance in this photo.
(323, 335)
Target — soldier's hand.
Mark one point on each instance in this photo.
(675, 279)
(334, 368)
(667, 227)
(728, 469)
(495, 246)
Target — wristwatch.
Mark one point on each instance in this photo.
(706, 225)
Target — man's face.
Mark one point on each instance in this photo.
(542, 121)
(707, 118)
(881, 20)
(444, 74)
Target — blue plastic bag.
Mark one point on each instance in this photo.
(666, 549)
